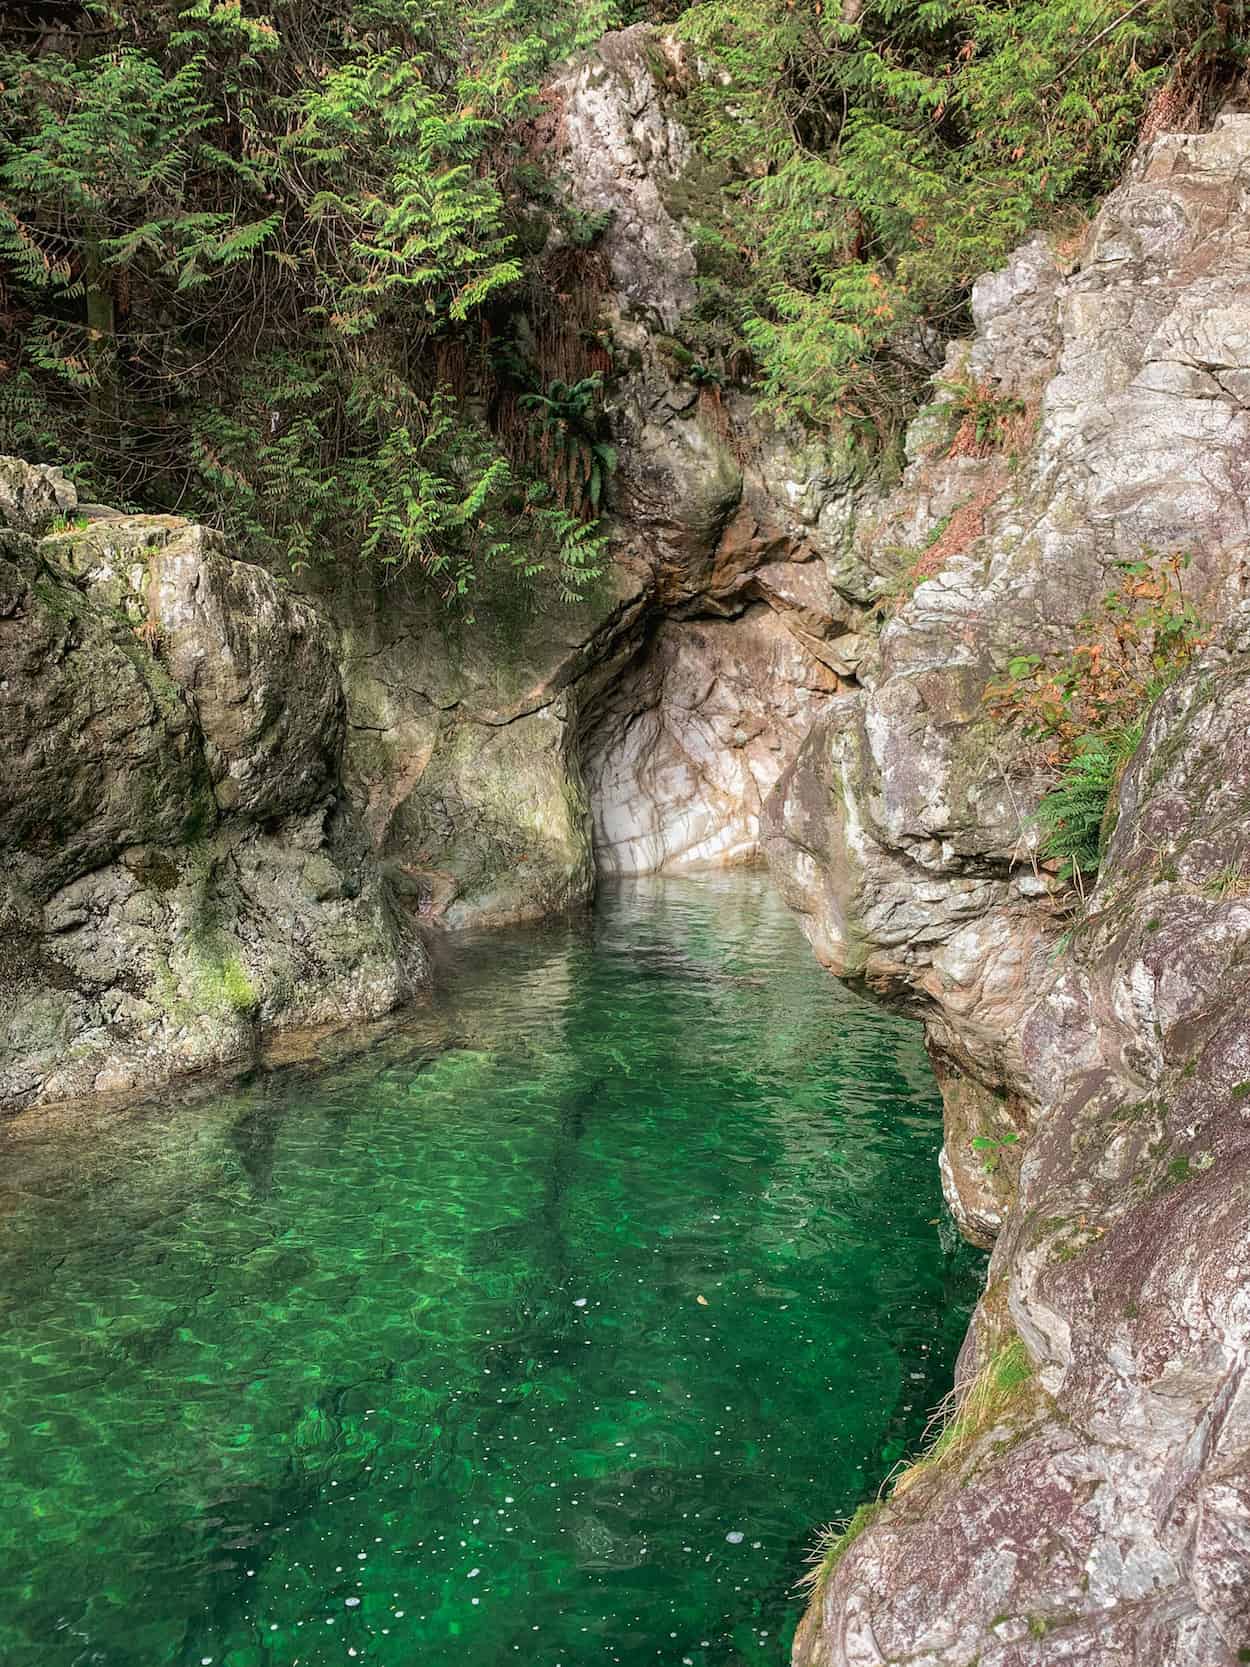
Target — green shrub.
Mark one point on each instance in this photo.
(251, 255)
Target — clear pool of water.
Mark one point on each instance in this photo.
(546, 1328)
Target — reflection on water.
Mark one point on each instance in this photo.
(546, 1328)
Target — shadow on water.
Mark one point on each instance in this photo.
(546, 1328)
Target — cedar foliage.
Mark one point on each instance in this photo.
(247, 263)
(877, 155)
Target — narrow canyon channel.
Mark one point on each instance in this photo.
(548, 1327)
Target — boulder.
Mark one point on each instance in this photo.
(182, 873)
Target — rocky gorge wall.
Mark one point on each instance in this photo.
(1089, 1501)
(228, 809)
(181, 867)
(500, 768)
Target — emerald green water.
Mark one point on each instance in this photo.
(405, 1361)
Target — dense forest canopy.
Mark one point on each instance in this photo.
(289, 266)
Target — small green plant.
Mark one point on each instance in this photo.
(1083, 713)
(1230, 881)
(995, 1147)
(1073, 815)
(584, 229)
(67, 524)
(997, 1390)
(987, 420)
(920, 565)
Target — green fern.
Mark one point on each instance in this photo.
(1073, 815)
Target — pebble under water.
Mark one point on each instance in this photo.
(546, 1329)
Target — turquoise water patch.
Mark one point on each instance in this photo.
(547, 1329)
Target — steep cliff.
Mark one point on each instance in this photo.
(500, 764)
(1089, 1497)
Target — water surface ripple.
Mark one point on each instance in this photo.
(544, 1329)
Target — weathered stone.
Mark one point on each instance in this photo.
(1100, 1515)
(623, 152)
(687, 743)
(98, 745)
(904, 835)
(33, 496)
(1111, 1526)
(260, 668)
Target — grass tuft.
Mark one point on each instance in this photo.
(965, 1415)
(833, 1543)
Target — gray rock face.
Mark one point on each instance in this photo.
(496, 767)
(499, 772)
(692, 738)
(903, 835)
(1098, 1509)
(624, 153)
(462, 748)
(1104, 1517)
(33, 496)
(181, 871)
